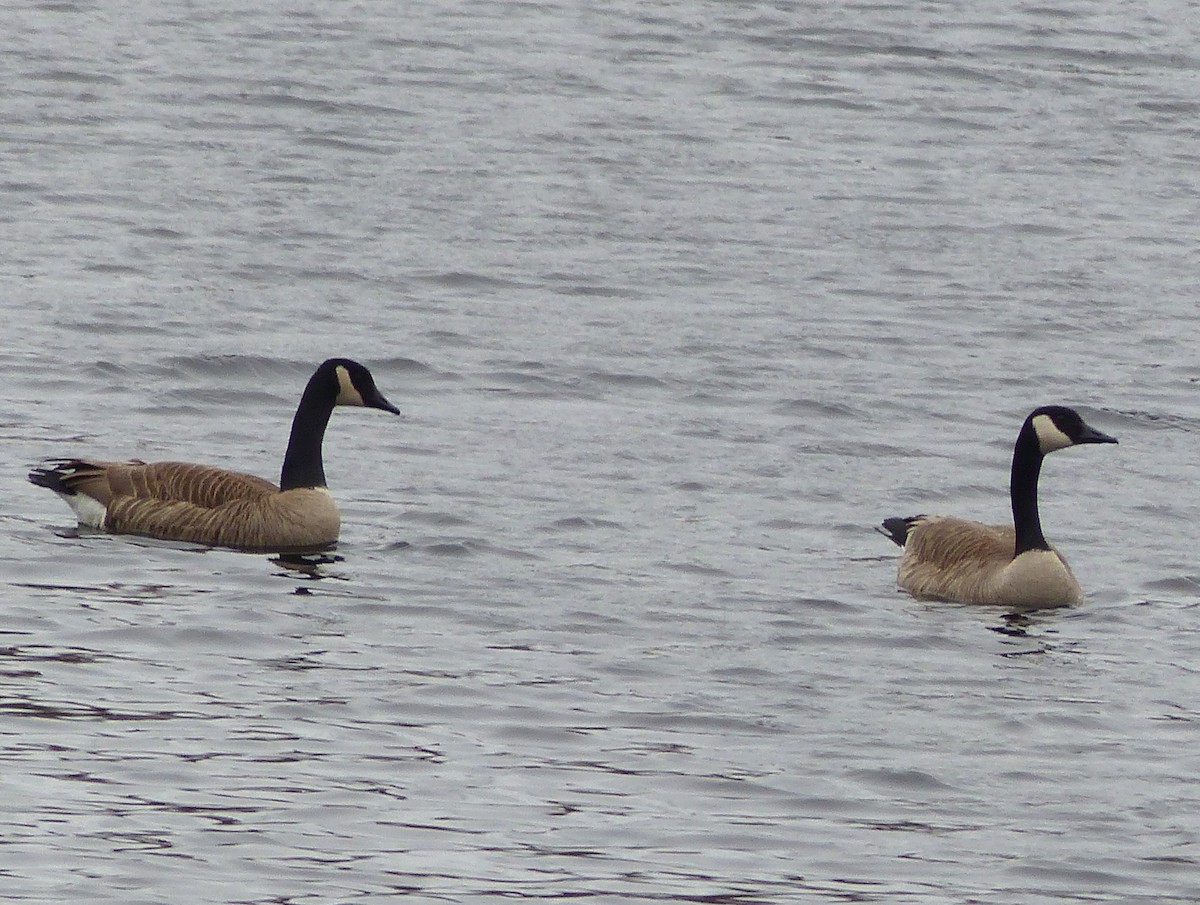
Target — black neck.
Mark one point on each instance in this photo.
(302, 463)
(1026, 466)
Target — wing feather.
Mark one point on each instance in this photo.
(166, 482)
(948, 558)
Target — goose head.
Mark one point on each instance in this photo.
(353, 385)
(1057, 427)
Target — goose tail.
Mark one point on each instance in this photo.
(56, 474)
(897, 527)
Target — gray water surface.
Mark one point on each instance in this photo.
(678, 300)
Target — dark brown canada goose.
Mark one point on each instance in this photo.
(205, 505)
(948, 558)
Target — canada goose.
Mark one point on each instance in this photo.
(948, 558)
(205, 505)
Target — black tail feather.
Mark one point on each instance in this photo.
(897, 527)
(53, 475)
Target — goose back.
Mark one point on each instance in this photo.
(183, 482)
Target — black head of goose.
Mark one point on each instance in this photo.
(947, 558)
(201, 504)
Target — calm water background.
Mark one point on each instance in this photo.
(679, 300)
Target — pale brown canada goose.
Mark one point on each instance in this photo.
(213, 506)
(948, 558)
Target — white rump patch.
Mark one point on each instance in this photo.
(88, 511)
(1050, 437)
(347, 395)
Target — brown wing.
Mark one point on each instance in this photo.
(165, 482)
(950, 558)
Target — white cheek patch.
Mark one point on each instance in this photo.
(347, 394)
(1049, 436)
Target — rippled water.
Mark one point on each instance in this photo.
(679, 301)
